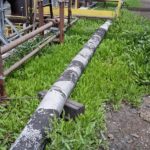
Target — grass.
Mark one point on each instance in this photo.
(38, 74)
(113, 75)
(133, 3)
(108, 79)
(105, 6)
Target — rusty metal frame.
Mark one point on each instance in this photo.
(46, 41)
(41, 16)
(61, 24)
(2, 87)
(51, 8)
(6, 48)
(69, 10)
(89, 12)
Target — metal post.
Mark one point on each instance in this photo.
(77, 4)
(90, 2)
(2, 88)
(41, 17)
(1, 17)
(35, 13)
(27, 12)
(85, 3)
(51, 8)
(69, 11)
(30, 11)
(61, 24)
(2, 23)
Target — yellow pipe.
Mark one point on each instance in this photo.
(76, 4)
(118, 8)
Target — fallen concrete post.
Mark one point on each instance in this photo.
(33, 135)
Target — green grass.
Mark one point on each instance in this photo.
(107, 6)
(108, 78)
(133, 3)
(38, 74)
(117, 72)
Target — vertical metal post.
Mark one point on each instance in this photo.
(2, 88)
(1, 17)
(35, 13)
(27, 12)
(41, 16)
(51, 8)
(69, 11)
(30, 11)
(61, 24)
(26, 8)
(2, 23)
(76, 4)
(90, 2)
(85, 3)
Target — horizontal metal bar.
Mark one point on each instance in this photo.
(84, 12)
(24, 38)
(139, 9)
(25, 58)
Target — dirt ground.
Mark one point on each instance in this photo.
(129, 128)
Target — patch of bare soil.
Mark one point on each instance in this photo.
(129, 128)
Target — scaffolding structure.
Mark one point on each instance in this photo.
(3, 22)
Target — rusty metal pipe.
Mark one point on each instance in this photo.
(25, 58)
(61, 25)
(24, 38)
(14, 35)
(51, 8)
(41, 15)
(2, 88)
(69, 11)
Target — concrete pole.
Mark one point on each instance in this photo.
(33, 135)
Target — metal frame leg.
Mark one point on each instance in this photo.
(61, 24)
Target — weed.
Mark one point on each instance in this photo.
(113, 75)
